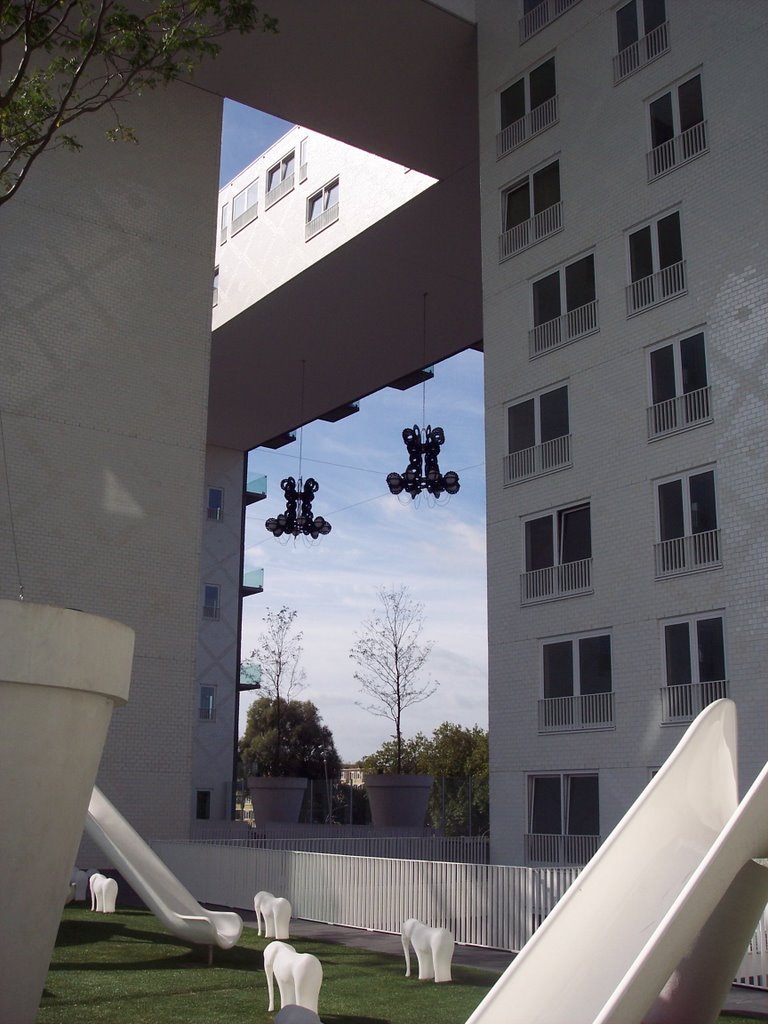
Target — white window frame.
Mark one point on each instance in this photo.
(568, 326)
(540, 464)
(329, 214)
(676, 710)
(652, 223)
(641, 32)
(530, 128)
(210, 707)
(303, 147)
(554, 514)
(212, 612)
(285, 182)
(696, 408)
(540, 224)
(679, 158)
(223, 223)
(573, 639)
(693, 552)
(250, 210)
(686, 493)
(647, 48)
(216, 272)
(218, 510)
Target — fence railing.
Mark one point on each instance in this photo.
(679, 412)
(640, 53)
(530, 231)
(543, 848)
(555, 581)
(314, 227)
(687, 554)
(677, 150)
(453, 849)
(753, 971)
(541, 15)
(576, 323)
(539, 459)
(572, 714)
(682, 703)
(482, 904)
(245, 218)
(281, 189)
(650, 291)
(526, 127)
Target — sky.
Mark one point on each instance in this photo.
(436, 548)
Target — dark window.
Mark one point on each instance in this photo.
(546, 813)
(542, 83)
(203, 805)
(558, 669)
(513, 103)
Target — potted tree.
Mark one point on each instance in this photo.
(390, 658)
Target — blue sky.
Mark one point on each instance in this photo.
(435, 548)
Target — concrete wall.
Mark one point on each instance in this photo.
(601, 140)
(105, 335)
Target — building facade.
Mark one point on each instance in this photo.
(624, 276)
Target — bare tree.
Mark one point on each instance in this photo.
(278, 652)
(390, 658)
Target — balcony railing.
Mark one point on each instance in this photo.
(281, 189)
(677, 150)
(691, 553)
(562, 330)
(541, 848)
(533, 230)
(556, 581)
(541, 16)
(302, 173)
(683, 703)
(211, 611)
(679, 413)
(537, 120)
(255, 488)
(245, 218)
(540, 459)
(223, 230)
(216, 514)
(572, 714)
(250, 676)
(656, 288)
(640, 53)
(207, 714)
(329, 216)
(253, 580)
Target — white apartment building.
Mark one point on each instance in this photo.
(624, 275)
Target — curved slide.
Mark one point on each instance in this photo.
(654, 927)
(162, 892)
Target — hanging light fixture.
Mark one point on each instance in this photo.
(298, 517)
(423, 472)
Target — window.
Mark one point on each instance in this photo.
(531, 210)
(677, 127)
(680, 392)
(537, 14)
(203, 804)
(207, 709)
(527, 107)
(538, 435)
(215, 508)
(694, 662)
(642, 36)
(576, 684)
(223, 223)
(656, 265)
(688, 537)
(558, 555)
(211, 601)
(564, 306)
(322, 209)
(216, 286)
(563, 818)
(303, 160)
(245, 207)
(280, 179)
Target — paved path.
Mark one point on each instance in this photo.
(743, 1002)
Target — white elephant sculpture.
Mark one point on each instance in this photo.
(433, 948)
(103, 894)
(81, 877)
(275, 912)
(298, 975)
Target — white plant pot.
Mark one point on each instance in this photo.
(61, 673)
(276, 799)
(398, 800)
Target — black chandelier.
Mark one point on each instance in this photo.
(424, 476)
(297, 518)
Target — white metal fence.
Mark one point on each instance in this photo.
(458, 849)
(484, 905)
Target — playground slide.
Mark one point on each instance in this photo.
(668, 875)
(162, 892)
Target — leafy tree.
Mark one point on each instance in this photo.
(302, 745)
(414, 756)
(278, 652)
(63, 59)
(390, 659)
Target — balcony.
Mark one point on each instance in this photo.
(207, 714)
(515, 134)
(530, 231)
(211, 612)
(253, 582)
(255, 489)
(588, 711)
(677, 150)
(556, 581)
(679, 413)
(656, 288)
(542, 15)
(640, 53)
(250, 676)
(281, 189)
(245, 218)
(692, 553)
(538, 460)
(562, 330)
(326, 218)
(216, 514)
(680, 704)
(541, 848)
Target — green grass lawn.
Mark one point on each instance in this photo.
(125, 969)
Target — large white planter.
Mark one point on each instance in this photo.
(276, 799)
(398, 800)
(61, 673)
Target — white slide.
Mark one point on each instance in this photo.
(656, 924)
(158, 887)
